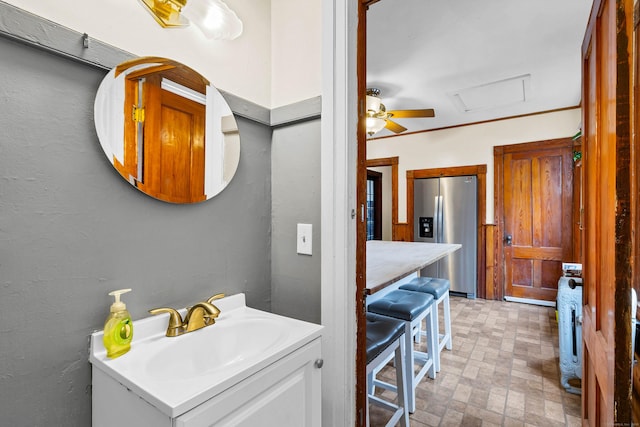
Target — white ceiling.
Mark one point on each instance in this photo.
(420, 53)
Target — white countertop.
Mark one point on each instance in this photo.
(388, 262)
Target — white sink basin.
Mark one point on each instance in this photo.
(214, 348)
(175, 374)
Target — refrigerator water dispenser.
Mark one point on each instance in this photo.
(426, 226)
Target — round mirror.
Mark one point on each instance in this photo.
(167, 130)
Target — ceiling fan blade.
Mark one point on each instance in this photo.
(394, 127)
(412, 114)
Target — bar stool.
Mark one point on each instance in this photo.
(412, 307)
(384, 340)
(439, 288)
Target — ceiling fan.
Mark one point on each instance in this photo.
(378, 117)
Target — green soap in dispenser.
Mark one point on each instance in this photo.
(118, 328)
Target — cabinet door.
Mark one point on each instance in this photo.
(284, 394)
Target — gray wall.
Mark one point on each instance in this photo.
(71, 230)
(295, 186)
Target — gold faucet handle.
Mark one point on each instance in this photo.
(210, 318)
(215, 297)
(175, 320)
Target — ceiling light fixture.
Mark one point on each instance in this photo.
(376, 116)
(375, 125)
(212, 17)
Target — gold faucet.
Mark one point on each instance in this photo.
(198, 316)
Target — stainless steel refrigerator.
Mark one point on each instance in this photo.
(445, 211)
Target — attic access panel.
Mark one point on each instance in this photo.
(501, 93)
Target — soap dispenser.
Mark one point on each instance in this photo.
(118, 328)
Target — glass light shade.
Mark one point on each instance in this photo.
(214, 19)
(375, 124)
(373, 103)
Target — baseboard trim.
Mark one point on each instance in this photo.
(531, 301)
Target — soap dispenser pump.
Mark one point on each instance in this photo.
(118, 328)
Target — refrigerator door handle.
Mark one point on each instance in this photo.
(436, 218)
(441, 224)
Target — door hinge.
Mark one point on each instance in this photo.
(137, 114)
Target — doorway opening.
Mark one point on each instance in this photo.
(374, 205)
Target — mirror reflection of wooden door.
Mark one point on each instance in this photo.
(607, 172)
(537, 193)
(173, 145)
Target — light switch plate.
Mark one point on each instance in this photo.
(304, 239)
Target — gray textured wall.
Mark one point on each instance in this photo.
(295, 186)
(71, 230)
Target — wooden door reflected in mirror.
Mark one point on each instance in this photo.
(167, 130)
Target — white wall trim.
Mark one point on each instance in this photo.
(308, 109)
(338, 198)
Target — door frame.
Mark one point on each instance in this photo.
(498, 196)
(393, 162)
(361, 398)
(480, 172)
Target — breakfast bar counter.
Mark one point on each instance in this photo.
(389, 262)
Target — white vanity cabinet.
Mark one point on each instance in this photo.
(286, 393)
(280, 386)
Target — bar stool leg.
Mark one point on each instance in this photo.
(432, 340)
(401, 386)
(437, 347)
(427, 366)
(447, 322)
(408, 364)
(436, 328)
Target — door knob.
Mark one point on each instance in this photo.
(508, 239)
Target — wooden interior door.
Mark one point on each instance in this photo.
(174, 148)
(607, 266)
(537, 194)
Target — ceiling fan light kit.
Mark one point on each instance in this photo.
(375, 125)
(373, 100)
(378, 118)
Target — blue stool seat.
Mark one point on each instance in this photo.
(385, 340)
(434, 286)
(381, 332)
(402, 304)
(439, 289)
(412, 308)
